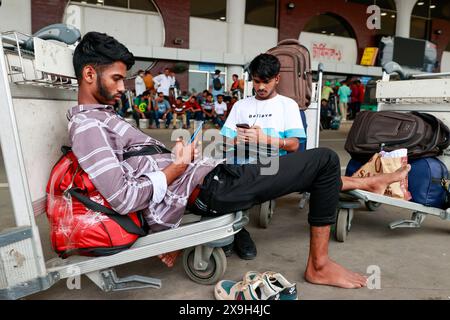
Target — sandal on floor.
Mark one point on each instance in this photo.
(243, 290)
(276, 281)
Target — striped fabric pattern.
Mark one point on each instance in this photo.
(99, 138)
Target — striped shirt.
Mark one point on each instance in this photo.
(100, 137)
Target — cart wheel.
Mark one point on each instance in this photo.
(343, 224)
(372, 206)
(217, 265)
(266, 213)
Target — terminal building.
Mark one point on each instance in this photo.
(196, 37)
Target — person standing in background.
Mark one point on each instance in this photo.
(163, 83)
(327, 90)
(236, 89)
(217, 85)
(361, 95)
(139, 84)
(344, 94)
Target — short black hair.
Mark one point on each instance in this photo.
(217, 71)
(264, 66)
(99, 49)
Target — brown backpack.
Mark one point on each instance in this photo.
(296, 76)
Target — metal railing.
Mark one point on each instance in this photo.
(21, 67)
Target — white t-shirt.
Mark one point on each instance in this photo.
(278, 117)
(139, 85)
(163, 82)
(220, 107)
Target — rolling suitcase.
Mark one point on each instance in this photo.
(296, 75)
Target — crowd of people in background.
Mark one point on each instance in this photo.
(159, 100)
(341, 99)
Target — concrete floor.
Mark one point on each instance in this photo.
(413, 262)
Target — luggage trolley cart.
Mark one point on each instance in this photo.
(424, 93)
(42, 84)
(266, 210)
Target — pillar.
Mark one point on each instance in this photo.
(404, 11)
(235, 34)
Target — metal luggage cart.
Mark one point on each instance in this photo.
(424, 93)
(31, 84)
(347, 206)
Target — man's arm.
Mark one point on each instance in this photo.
(93, 145)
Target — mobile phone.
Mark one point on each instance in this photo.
(199, 127)
(243, 125)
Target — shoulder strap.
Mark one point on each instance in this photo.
(123, 220)
(146, 151)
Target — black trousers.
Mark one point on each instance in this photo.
(229, 188)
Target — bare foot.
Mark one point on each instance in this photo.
(379, 183)
(332, 274)
(169, 258)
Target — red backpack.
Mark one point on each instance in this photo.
(81, 220)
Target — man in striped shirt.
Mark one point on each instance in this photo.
(161, 184)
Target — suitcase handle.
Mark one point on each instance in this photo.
(288, 41)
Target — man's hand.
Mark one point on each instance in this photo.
(185, 154)
(252, 135)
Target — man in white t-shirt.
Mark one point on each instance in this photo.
(139, 84)
(163, 83)
(220, 108)
(272, 119)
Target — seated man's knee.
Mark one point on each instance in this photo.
(329, 156)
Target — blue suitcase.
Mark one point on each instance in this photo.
(425, 182)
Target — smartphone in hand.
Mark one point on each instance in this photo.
(243, 126)
(196, 132)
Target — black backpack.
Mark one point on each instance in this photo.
(217, 85)
(421, 133)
